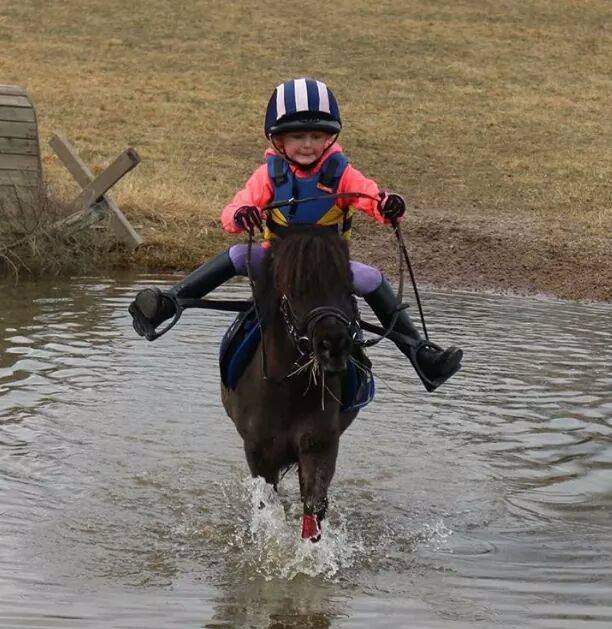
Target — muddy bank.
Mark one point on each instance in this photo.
(526, 256)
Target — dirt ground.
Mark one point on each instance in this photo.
(515, 254)
(506, 254)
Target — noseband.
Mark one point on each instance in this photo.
(301, 332)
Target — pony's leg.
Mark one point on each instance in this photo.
(260, 463)
(317, 464)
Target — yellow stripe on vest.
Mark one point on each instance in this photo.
(333, 216)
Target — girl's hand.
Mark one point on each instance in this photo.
(248, 218)
(391, 206)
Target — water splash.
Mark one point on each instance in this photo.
(434, 535)
(268, 536)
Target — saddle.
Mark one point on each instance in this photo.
(242, 338)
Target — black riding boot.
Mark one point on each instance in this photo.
(153, 306)
(432, 364)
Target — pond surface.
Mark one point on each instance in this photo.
(125, 500)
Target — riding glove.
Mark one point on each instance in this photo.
(248, 218)
(391, 205)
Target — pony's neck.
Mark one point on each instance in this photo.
(281, 353)
(281, 357)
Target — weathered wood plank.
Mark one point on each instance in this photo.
(17, 114)
(18, 146)
(121, 226)
(71, 160)
(14, 101)
(26, 130)
(20, 166)
(9, 203)
(79, 170)
(94, 191)
(12, 89)
(19, 162)
(19, 199)
(27, 178)
(81, 218)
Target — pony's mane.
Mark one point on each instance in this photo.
(308, 260)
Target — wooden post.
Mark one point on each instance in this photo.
(93, 202)
(20, 166)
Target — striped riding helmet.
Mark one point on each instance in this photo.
(302, 105)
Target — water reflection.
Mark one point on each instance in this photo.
(262, 603)
(123, 489)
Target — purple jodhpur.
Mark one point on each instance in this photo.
(365, 278)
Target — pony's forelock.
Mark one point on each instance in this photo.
(311, 260)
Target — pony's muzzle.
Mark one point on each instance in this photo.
(333, 354)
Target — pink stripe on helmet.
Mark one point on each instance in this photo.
(280, 101)
(323, 97)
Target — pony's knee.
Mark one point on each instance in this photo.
(310, 442)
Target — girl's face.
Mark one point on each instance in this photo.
(304, 147)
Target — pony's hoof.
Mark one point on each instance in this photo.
(311, 530)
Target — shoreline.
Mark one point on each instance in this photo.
(497, 254)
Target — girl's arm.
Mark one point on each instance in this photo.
(353, 181)
(256, 192)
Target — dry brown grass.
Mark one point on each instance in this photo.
(489, 107)
(32, 245)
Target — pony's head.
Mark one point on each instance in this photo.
(311, 274)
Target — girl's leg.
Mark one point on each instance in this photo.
(238, 255)
(365, 278)
(432, 364)
(152, 306)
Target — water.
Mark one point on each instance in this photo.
(125, 499)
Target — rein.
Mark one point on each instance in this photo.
(299, 332)
(403, 257)
(181, 304)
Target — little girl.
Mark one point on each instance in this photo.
(304, 160)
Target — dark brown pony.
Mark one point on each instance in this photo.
(286, 405)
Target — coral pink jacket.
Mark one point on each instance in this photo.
(258, 191)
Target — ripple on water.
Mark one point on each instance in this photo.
(485, 504)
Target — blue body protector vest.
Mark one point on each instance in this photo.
(322, 210)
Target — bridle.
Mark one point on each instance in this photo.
(301, 331)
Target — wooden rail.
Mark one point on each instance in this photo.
(93, 203)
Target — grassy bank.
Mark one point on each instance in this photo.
(483, 113)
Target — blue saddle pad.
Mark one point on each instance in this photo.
(241, 340)
(358, 388)
(238, 346)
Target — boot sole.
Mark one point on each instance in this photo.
(148, 302)
(452, 363)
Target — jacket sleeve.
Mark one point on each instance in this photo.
(257, 192)
(353, 181)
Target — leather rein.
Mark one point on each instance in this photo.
(301, 332)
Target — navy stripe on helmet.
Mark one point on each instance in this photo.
(290, 97)
(271, 113)
(313, 95)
